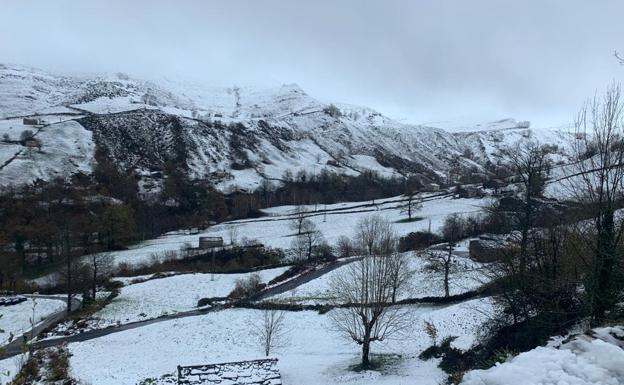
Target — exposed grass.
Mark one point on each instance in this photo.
(383, 363)
(47, 366)
(407, 220)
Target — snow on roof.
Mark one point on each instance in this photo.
(260, 372)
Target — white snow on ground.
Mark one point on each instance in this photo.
(276, 231)
(585, 360)
(16, 319)
(9, 368)
(67, 148)
(468, 276)
(223, 336)
(162, 296)
(105, 105)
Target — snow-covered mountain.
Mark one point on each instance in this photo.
(235, 137)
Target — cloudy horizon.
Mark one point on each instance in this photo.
(417, 62)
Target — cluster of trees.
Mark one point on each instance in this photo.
(308, 243)
(326, 187)
(49, 222)
(566, 262)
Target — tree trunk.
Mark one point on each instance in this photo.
(447, 267)
(605, 298)
(365, 353)
(69, 274)
(94, 289)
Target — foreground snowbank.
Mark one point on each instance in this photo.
(595, 359)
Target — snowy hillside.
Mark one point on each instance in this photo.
(234, 137)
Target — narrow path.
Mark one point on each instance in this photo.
(300, 280)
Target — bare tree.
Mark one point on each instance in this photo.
(270, 330)
(299, 216)
(374, 235)
(413, 204)
(400, 272)
(532, 166)
(100, 266)
(232, 232)
(440, 262)
(598, 182)
(345, 247)
(453, 230)
(308, 240)
(367, 286)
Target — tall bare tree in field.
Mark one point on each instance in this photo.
(368, 286)
(270, 330)
(100, 266)
(298, 219)
(598, 182)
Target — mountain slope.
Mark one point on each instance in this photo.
(234, 137)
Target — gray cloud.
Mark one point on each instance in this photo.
(419, 60)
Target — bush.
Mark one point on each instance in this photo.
(418, 240)
(246, 287)
(345, 247)
(324, 252)
(332, 111)
(26, 134)
(58, 364)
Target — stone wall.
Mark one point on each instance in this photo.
(257, 372)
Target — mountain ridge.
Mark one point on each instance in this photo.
(233, 137)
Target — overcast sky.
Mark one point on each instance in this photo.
(420, 61)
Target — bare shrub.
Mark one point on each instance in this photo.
(248, 286)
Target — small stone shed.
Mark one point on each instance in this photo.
(256, 372)
(487, 248)
(210, 242)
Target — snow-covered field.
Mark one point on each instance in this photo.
(9, 367)
(157, 297)
(224, 336)
(467, 275)
(153, 298)
(16, 319)
(585, 360)
(276, 231)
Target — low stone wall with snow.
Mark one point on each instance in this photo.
(257, 372)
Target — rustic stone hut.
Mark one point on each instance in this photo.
(487, 248)
(210, 242)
